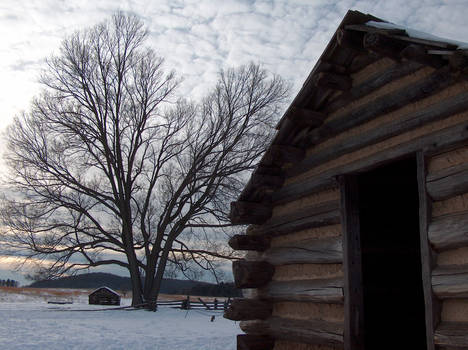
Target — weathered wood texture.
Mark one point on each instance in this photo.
(305, 117)
(248, 309)
(326, 250)
(437, 140)
(454, 310)
(249, 242)
(292, 345)
(333, 81)
(310, 331)
(448, 159)
(297, 272)
(280, 154)
(318, 290)
(384, 104)
(397, 142)
(452, 334)
(313, 216)
(376, 81)
(266, 182)
(315, 199)
(249, 213)
(254, 342)
(408, 122)
(353, 296)
(449, 231)
(458, 256)
(450, 282)
(251, 274)
(431, 303)
(452, 205)
(309, 311)
(448, 182)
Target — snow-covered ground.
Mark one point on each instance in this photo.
(29, 322)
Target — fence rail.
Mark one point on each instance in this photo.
(188, 304)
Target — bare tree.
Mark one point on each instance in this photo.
(106, 169)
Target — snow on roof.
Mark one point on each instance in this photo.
(109, 289)
(417, 34)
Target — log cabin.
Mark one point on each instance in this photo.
(104, 296)
(357, 214)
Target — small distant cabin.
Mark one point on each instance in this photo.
(104, 296)
(358, 211)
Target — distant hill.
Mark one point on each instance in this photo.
(168, 286)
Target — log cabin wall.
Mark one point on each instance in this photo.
(447, 185)
(388, 107)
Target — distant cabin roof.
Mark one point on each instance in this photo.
(109, 289)
(359, 40)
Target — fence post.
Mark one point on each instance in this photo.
(226, 303)
(185, 304)
(216, 304)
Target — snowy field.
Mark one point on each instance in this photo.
(29, 322)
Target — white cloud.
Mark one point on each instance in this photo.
(199, 37)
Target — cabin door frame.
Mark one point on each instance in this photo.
(352, 263)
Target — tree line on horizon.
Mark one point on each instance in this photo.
(9, 283)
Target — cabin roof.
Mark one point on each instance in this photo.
(107, 288)
(359, 40)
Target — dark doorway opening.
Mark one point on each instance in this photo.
(391, 257)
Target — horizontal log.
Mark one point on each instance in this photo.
(314, 216)
(249, 213)
(266, 182)
(305, 331)
(305, 117)
(303, 189)
(408, 122)
(418, 53)
(252, 274)
(350, 39)
(362, 60)
(448, 182)
(450, 282)
(383, 45)
(452, 334)
(458, 60)
(312, 251)
(248, 309)
(369, 29)
(280, 154)
(387, 103)
(448, 232)
(400, 34)
(269, 170)
(376, 81)
(334, 81)
(328, 290)
(252, 193)
(430, 143)
(249, 242)
(254, 342)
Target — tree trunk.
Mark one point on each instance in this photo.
(157, 277)
(150, 298)
(137, 297)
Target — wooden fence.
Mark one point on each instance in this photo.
(195, 303)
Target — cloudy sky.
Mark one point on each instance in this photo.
(199, 37)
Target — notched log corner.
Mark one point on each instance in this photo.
(252, 274)
(243, 213)
(249, 242)
(254, 342)
(248, 309)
